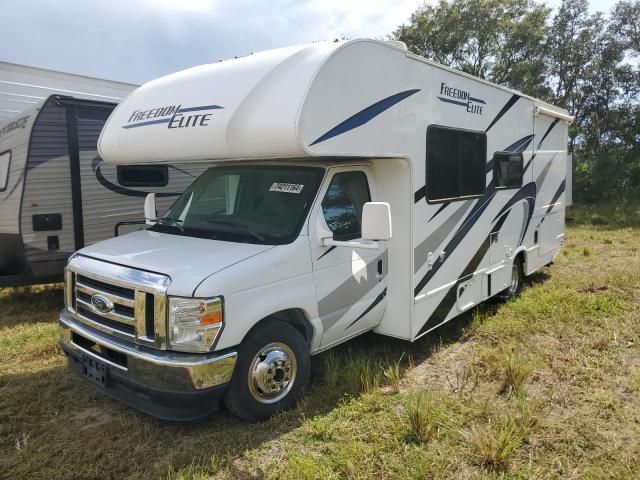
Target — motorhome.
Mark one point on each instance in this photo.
(57, 195)
(354, 187)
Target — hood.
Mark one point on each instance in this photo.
(186, 260)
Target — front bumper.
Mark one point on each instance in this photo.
(168, 385)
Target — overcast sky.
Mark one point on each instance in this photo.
(138, 40)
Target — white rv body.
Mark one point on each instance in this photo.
(361, 107)
(57, 195)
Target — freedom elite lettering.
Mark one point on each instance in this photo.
(175, 116)
(461, 98)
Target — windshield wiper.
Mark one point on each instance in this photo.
(168, 221)
(241, 227)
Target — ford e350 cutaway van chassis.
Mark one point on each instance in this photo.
(352, 186)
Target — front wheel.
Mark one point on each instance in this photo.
(271, 374)
(517, 279)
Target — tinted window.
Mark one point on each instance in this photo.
(343, 202)
(507, 169)
(143, 175)
(5, 160)
(455, 163)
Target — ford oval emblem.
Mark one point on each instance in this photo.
(101, 303)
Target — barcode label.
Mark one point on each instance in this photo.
(286, 187)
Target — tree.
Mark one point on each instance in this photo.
(625, 20)
(498, 40)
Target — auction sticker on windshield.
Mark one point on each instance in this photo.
(286, 187)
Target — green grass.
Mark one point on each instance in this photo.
(545, 386)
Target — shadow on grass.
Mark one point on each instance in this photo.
(30, 304)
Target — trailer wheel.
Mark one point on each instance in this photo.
(271, 373)
(517, 279)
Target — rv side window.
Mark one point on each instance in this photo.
(5, 160)
(507, 169)
(343, 202)
(143, 175)
(456, 162)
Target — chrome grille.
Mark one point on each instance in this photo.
(135, 299)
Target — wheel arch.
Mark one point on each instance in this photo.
(296, 317)
(522, 254)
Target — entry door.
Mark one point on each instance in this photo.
(84, 126)
(350, 282)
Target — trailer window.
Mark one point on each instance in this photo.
(455, 163)
(507, 169)
(343, 202)
(143, 175)
(5, 160)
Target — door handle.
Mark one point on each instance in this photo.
(380, 268)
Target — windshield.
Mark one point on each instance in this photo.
(249, 204)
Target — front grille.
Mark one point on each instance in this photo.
(119, 326)
(133, 304)
(124, 292)
(123, 319)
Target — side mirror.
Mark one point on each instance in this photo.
(376, 221)
(150, 213)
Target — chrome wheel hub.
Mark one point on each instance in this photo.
(272, 373)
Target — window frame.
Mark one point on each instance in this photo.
(495, 169)
(165, 169)
(430, 128)
(324, 194)
(6, 180)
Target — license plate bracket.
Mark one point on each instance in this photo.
(95, 371)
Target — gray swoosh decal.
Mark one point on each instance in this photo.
(544, 172)
(433, 241)
(332, 307)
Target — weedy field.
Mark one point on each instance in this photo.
(544, 386)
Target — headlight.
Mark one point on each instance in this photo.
(194, 323)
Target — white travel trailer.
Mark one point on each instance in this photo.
(57, 195)
(285, 247)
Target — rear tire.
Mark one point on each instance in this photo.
(271, 373)
(517, 279)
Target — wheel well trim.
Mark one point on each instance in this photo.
(295, 316)
(523, 253)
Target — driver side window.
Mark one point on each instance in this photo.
(343, 202)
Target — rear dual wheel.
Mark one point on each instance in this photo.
(517, 280)
(271, 373)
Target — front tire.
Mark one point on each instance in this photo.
(271, 373)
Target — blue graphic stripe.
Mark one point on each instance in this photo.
(364, 116)
(455, 102)
(520, 145)
(197, 109)
(143, 124)
(477, 100)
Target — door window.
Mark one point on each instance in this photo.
(343, 202)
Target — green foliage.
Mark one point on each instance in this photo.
(498, 40)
